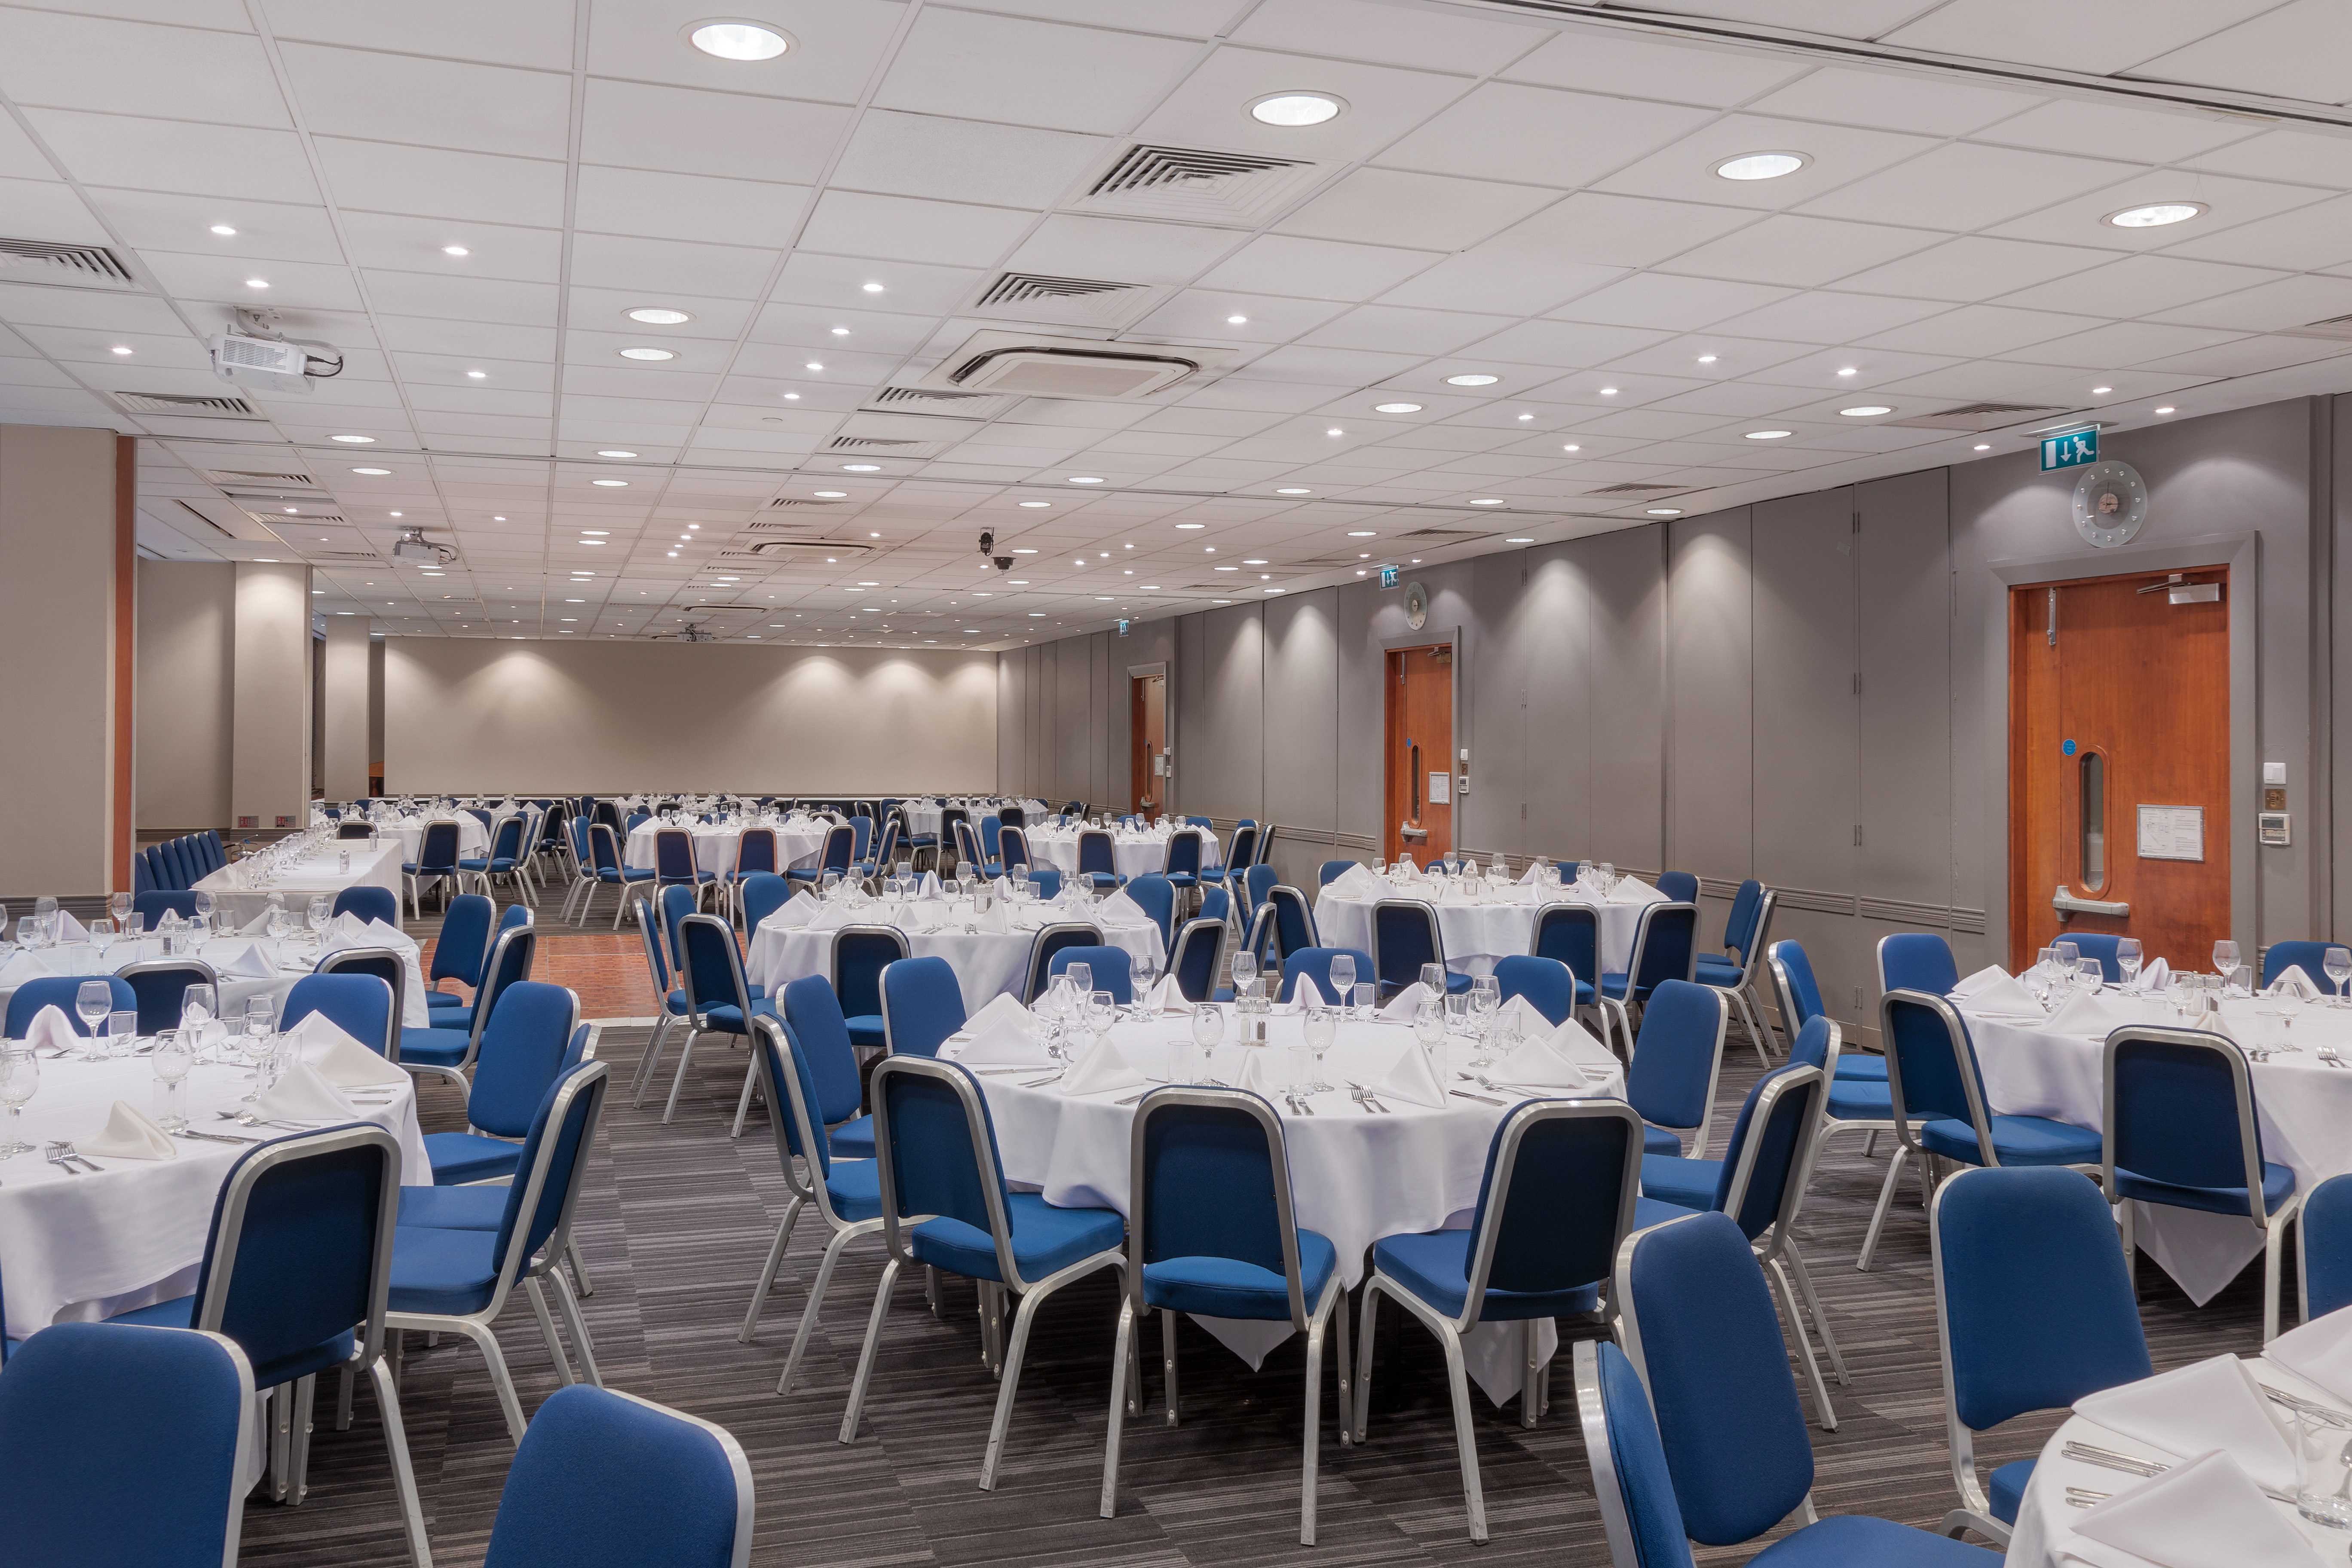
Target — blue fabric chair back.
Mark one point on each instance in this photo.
(175, 862)
(1013, 815)
(1113, 970)
(990, 827)
(523, 1048)
(1256, 883)
(860, 956)
(1709, 1339)
(2037, 1301)
(1668, 941)
(463, 941)
(1332, 871)
(572, 1133)
(861, 830)
(58, 991)
(1192, 962)
(1641, 1520)
(160, 991)
(1183, 855)
(840, 845)
(1212, 1181)
(604, 1480)
(1805, 992)
(1241, 854)
(1404, 936)
(1682, 887)
(2311, 957)
(765, 893)
(2101, 945)
(1314, 962)
(516, 915)
(636, 819)
(370, 904)
(677, 903)
(756, 851)
(143, 871)
(506, 845)
(922, 1005)
(436, 852)
(358, 1004)
(1780, 1140)
(710, 965)
(1546, 983)
(1573, 1173)
(2324, 1230)
(1570, 934)
(1046, 880)
(479, 814)
(153, 906)
(1095, 856)
(1216, 905)
(1739, 925)
(506, 967)
(1677, 1055)
(2174, 1115)
(1293, 927)
(1926, 1063)
(1811, 1049)
(674, 859)
(1916, 961)
(1156, 895)
(821, 1039)
(165, 1405)
(1013, 846)
(935, 1167)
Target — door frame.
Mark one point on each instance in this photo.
(1166, 669)
(2242, 554)
(1428, 637)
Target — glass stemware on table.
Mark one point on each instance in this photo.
(2336, 964)
(94, 1000)
(1208, 1033)
(1485, 1001)
(20, 1078)
(173, 1055)
(2130, 959)
(1322, 1027)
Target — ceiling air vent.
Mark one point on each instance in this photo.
(185, 406)
(1977, 416)
(796, 501)
(340, 555)
(1194, 184)
(952, 404)
(1440, 533)
(886, 447)
(1035, 365)
(789, 549)
(1632, 489)
(2335, 330)
(1071, 301)
(63, 266)
(281, 517)
(235, 477)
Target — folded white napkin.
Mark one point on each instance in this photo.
(1531, 1022)
(2207, 1513)
(919, 920)
(2006, 998)
(1001, 887)
(832, 917)
(1359, 882)
(1164, 997)
(2318, 1352)
(250, 964)
(2155, 975)
(51, 1032)
(1103, 1067)
(2211, 1404)
(996, 920)
(257, 926)
(1970, 985)
(1554, 1060)
(1118, 909)
(347, 1064)
(1255, 1073)
(795, 912)
(929, 887)
(130, 1133)
(1307, 995)
(303, 1094)
(1412, 1079)
(1004, 1042)
(378, 934)
(2083, 1014)
(71, 928)
(1001, 1009)
(2293, 981)
(347, 930)
(1406, 1002)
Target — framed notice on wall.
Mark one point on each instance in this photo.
(2172, 833)
(1440, 789)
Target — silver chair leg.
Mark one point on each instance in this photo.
(1827, 1416)
(866, 1356)
(651, 1061)
(1466, 1444)
(833, 1250)
(1364, 1360)
(282, 1435)
(563, 1378)
(1885, 1197)
(580, 1280)
(1757, 1034)
(297, 1479)
(502, 1380)
(1796, 1261)
(1344, 1368)
(1122, 1353)
(1531, 1374)
(576, 1323)
(767, 1272)
(685, 1054)
(343, 1400)
(404, 1473)
(743, 1100)
(1333, 1295)
(932, 1288)
(1167, 1361)
(1009, 1384)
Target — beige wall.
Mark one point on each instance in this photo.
(345, 711)
(187, 618)
(56, 658)
(463, 713)
(269, 767)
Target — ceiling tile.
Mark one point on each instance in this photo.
(2077, 220)
(1893, 100)
(1973, 267)
(689, 207)
(1123, 250)
(965, 160)
(462, 298)
(2271, 307)
(2308, 238)
(1388, 327)
(1389, 206)
(1038, 73)
(293, 284)
(1662, 301)
(2307, 156)
(836, 46)
(642, 125)
(175, 155)
(811, 279)
(1315, 268)
(1503, 274)
(1819, 316)
(2249, 356)
(1800, 251)
(173, 73)
(1210, 108)
(436, 103)
(2139, 285)
(1607, 61)
(615, 261)
(435, 182)
(533, 33)
(1685, 171)
(2123, 343)
(900, 228)
(1970, 330)
(1327, 366)
(2099, 36)
(2106, 130)
(1542, 136)
(1963, 186)
(1203, 315)
(48, 210)
(1388, 35)
(2301, 49)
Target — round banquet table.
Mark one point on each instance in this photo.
(798, 845)
(473, 838)
(1356, 1175)
(789, 944)
(247, 966)
(1478, 931)
(2303, 1105)
(77, 1249)
(1134, 854)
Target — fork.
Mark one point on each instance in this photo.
(1364, 1098)
(2107, 1459)
(2077, 1496)
(2328, 1054)
(62, 1156)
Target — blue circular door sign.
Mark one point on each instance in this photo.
(2068, 748)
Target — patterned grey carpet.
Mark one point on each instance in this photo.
(677, 1219)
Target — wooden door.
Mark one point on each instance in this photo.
(2119, 763)
(1147, 727)
(1419, 756)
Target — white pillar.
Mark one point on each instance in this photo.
(269, 771)
(345, 712)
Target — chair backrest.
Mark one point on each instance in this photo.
(840, 845)
(436, 850)
(2101, 945)
(58, 991)
(2311, 957)
(936, 1142)
(1678, 1056)
(1665, 947)
(1699, 1326)
(860, 954)
(765, 892)
(922, 1005)
(83, 1401)
(1739, 924)
(1916, 961)
(551, 1169)
(1762, 1183)
(1546, 984)
(1931, 1065)
(1256, 883)
(512, 953)
(370, 904)
(1046, 880)
(1640, 1518)
(887, 855)
(523, 1049)
(361, 1005)
(2323, 1232)
(821, 1034)
(1796, 993)
(1332, 871)
(1404, 937)
(1183, 857)
(1112, 969)
(1315, 963)
(711, 967)
(2179, 1107)
(143, 872)
(300, 1250)
(1050, 941)
(674, 856)
(1556, 1198)
(1013, 846)
(465, 939)
(1681, 887)
(1293, 924)
(1013, 815)
(157, 984)
(153, 905)
(1192, 961)
(756, 851)
(861, 833)
(990, 827)
(1210, 1177)
(1216, 904)
(676, 903)
(1241, 854)
(1095, 855)
(606, 1479)
(1570, 934)
(2033, 1299)
(604, 851)
(1156, 895)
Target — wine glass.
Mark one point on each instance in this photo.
(322, 910)
(1102, 1012)
(1486, 1003)
(2089, 976)
(1343, 981)
(1607, 872)
(199, 1006)
(255, 1043)
(173, 1055)
(2338, 965)
(1079, 978)
(1245, 971)
(121, 904)
(1429, 1023)
(1208, 1033)
(1322, 1027)
(204, 903)
(1432, 979)
(1147, 975)
(20, 1077)
(2225, 957)
(102, 937)
(2129, 955)
(94, 1000)
(122, 1029)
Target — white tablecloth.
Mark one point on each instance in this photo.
(289, 961)
(1134, 854)
(986, 964)
(1355, 1175)
(1477, 932)
(798, 845)
(2304, 1107)
(473, 838)
(319, 872)
(74, 1248)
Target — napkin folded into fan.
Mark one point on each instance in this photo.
(251, 964)
(1102, 1068)
(71, 928)
(1401, 1008)
(347, 930)
(1304, 994)
(303, 1094)
(2083, 1014)
(1359, 882)
(2319, 1352)
(2293, 981)
(1531, 1022)
(2004, 997)
(51, 1032)
(341, 1059)
(1164, 997)
(795, 912)
(2205, 1513)
(1567, 1058)
(130, 1133)
(996, 920)
(2155, 975)
(1118, 909)
(1003, 1033)
(832, 917)
(2211, 1404)
(259, 924)
(1413, 1079)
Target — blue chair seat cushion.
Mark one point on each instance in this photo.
(453, 1208)
(180, 1312)
(1614, 986)
(1184, 879)
(727, 1019)
(461, 1157)
(448, 1272)
(2005, 1488)
(1719, 971)
(1854, 1541)
(1648, 1212)
(1435, 1267)
(1228, 1288)
(1658, 1140)
(410, 869)
(606, 874)
(434, 1047)
(866, 1030)
(854, 1187)
(2016, 1139)
(2278, 1186)
(1044, 1238)
(486, 863)
(1688, 1183)
(1861, 1069)
(1865, 1101)
(853, 1140)
(437, 1000)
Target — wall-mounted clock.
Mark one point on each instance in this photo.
(2110, 504)
(1416, 605)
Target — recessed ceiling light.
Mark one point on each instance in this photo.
(1036, 503)
(1527, 416)
(257, 282)
(1293, 490)
(1761, 165)
(1472, 380)
(831, 495)
(1294, 109)
(222, 229)
(1608, 392)
(598, 532)
(1519, 540)
(1665, 512)
(1363, 533)
(1335, 430)
(267, 560)
(454, 250)
(1706, 359)
(1571, 448)
(1488, 500)
(1236, 321)
(791, 398)
(370, 470)
(1253, 560)
(476, 374)
(737, 40)
(2101, 390)
(1084, 480)
(615, 452)
(1191, 525)
(647, 353)
(120, 349)
(1396, 407)
(658, 315)
(861, 468)
(2166, 410)
(841, 332)
(1849, 370)
(611, 484)
(356, 440)
(1768, 434)
(1984, 447)
(1865, 410)
(2155, 215)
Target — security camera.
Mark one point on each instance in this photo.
(1003, 563)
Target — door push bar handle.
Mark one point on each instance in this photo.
(1418, 834)
(2066, 903)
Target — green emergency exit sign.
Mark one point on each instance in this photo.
(2070, 449)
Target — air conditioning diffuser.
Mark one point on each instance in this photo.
(1030, 365)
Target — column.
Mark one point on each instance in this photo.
(345, 711)
(58, 665)
(270, 769)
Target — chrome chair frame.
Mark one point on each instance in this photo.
(455, 1073)
(334, 963)
(1784, 1000)
(1778, 1246)
(1741, 992)
(1039, 957)
(1624, 1008)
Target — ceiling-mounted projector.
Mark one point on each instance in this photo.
(413, 546)
(253, 352)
